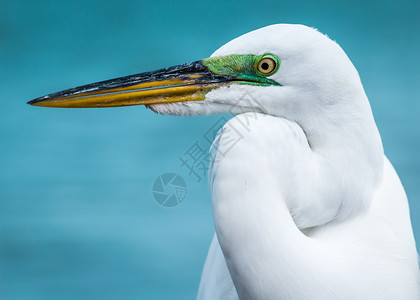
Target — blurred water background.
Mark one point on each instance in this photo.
(77, 216)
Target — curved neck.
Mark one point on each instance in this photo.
(349, 152)
(264, 250)
(265, 184)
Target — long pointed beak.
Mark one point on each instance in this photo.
(187, 82)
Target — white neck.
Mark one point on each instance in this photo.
(254, 226)
(349, 151)
(258, 203)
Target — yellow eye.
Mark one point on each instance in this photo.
(267, 66)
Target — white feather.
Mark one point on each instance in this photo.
(305, 204)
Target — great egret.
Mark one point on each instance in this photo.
(305, 204)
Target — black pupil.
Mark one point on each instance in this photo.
(265, 66)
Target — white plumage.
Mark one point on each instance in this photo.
(305, 204)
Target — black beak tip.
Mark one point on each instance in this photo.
(32, 102)
(37, 100)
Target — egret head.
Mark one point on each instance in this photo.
(291, 71)
(312, 73)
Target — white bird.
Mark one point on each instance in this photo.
(305, 204)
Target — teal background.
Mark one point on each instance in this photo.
(77, 216)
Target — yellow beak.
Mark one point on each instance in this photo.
(187, 82)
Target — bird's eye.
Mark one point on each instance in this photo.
(267, 66)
